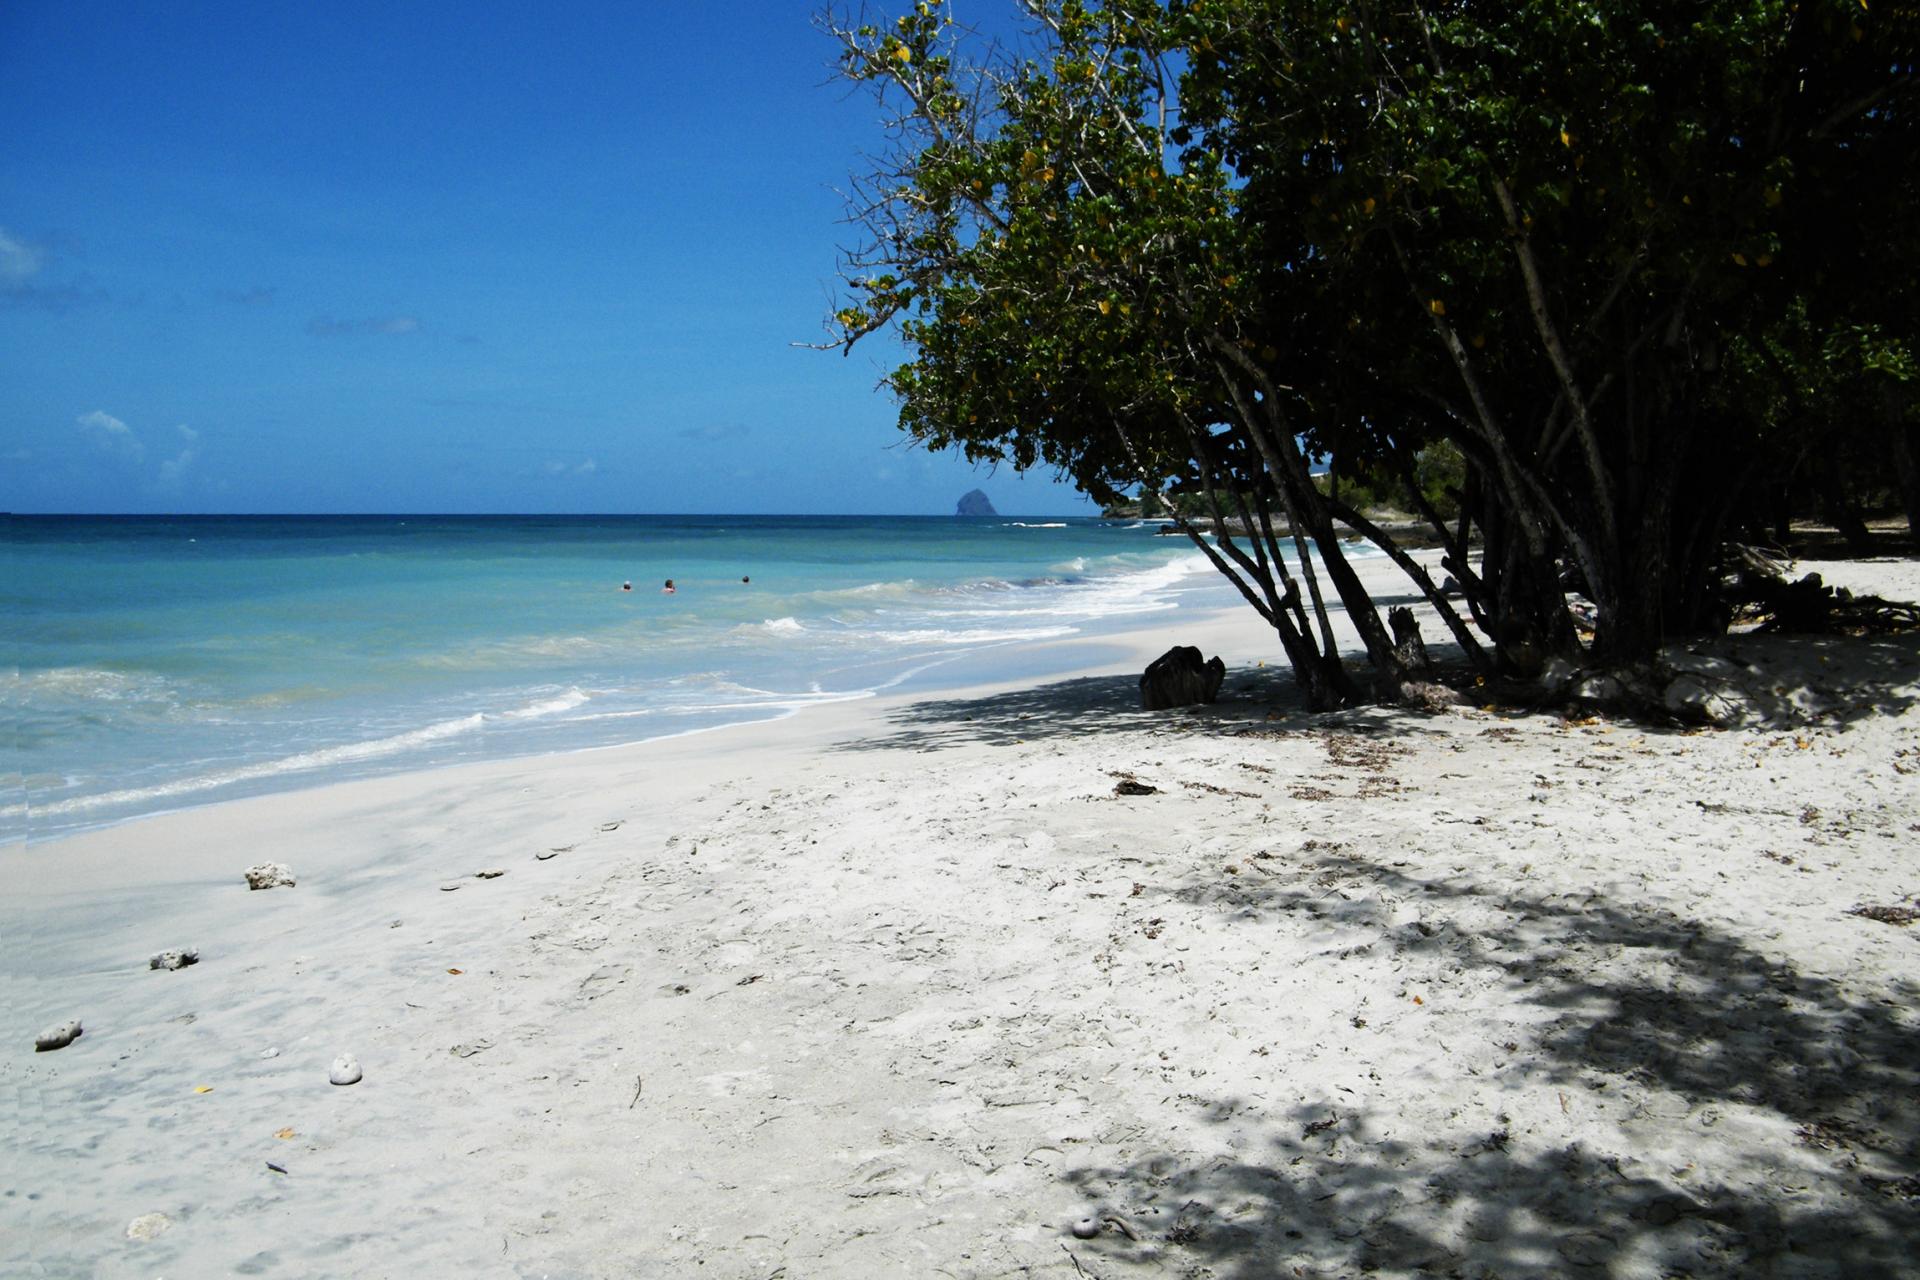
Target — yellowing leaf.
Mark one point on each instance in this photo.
(1436, 306)
(1740, 258)
(1106, 308)
(1368, 206)
(203, 1088)
(1566, 139)
(284, 1134)
(903, 55)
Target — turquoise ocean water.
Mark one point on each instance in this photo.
(166, 662)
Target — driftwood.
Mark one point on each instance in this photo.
(1759, 589)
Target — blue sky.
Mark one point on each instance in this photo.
(437, 257)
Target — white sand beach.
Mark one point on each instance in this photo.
(903, 988)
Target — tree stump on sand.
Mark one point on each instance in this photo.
(1180, 678)
(1407, 644)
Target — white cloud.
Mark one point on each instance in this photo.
(23, 267)
(117, 441)
(173, 472)
(110, 435)
(559, 467)
(18, 259)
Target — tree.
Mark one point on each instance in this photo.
(1195, 244)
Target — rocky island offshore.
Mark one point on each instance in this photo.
(974, 503)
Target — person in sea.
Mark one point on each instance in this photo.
(746, 579)
(668, 589)
(626, 586)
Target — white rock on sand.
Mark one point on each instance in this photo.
(902, 988)
(57, 1036)
(148, 1225)
(269, 875)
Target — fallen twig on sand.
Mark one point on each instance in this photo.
(1076, 1264)
(1220, 791)
(639, 1082)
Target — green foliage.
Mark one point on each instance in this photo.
(1034, 269)
(1593, 270)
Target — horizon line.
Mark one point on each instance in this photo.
(525, 515)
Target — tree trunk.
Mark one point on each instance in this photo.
(1906, 465)
(1632, 606)
(1840, 511)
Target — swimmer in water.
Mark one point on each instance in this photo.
(626, 586)
(668, 589)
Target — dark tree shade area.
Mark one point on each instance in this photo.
(1626, 277)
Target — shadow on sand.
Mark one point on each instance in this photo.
(1727, 1035)
(1787, 680)
(1819, 1084)
(1080, 707)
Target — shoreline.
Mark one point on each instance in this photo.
(903, 987)
(305, 651)
(1104, 651)
(597, 680)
